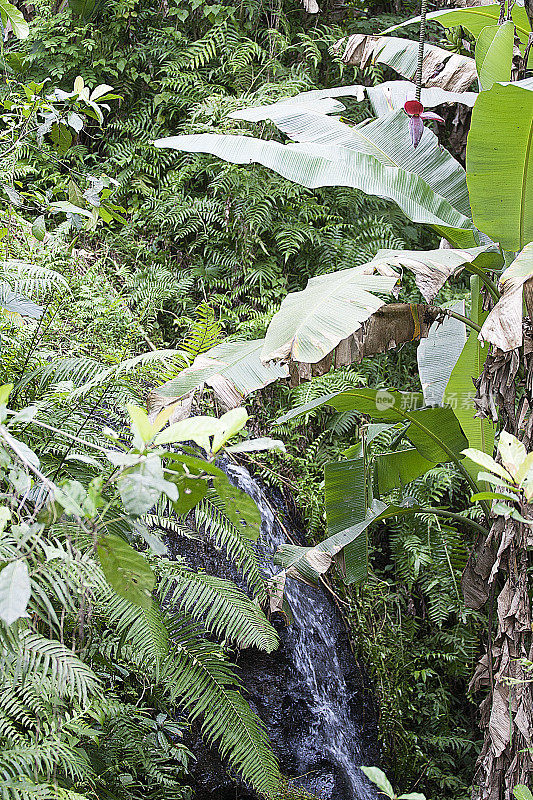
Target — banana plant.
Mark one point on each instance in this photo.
(485, 216)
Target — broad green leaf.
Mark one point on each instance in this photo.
(521, 792)
(387, 405)
(197, 429)
(316, 165)
(39, 228)
(191, 489)
(196, 465)
(126, 570)
(513, 453)
(20, 27)
(254, 445)
(161, 419)
(209, 433)
(524, 469)
(140, 422)
(503, 326)
(378, 777)
(494, 54)
(307, 563)
(239, 507)
(228, 425)
(5, 516)
(474, 19)
(398, 468)
(487, 462)
(345, 493)
(70, 208)
(71, 496)
(141, 486)
(478, 496)
(412, 796)
(435, 432)
(232, 369)
(15, 591)
(100, 91)
(500, 176)
(22, 450)
(345, 499)
(83, 8)
(439, 67)
(311, 323)
(5, 391)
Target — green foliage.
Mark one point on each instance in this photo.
(199, 236)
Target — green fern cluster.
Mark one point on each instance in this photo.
(91, 682)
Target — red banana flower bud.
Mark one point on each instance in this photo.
(415, 112)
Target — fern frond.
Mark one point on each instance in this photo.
(220, 606)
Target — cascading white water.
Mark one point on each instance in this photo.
(329, 733)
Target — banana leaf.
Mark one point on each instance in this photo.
(435, 432)
(499, 162)
(311, 323)
(315, 165)
(474, 19)
(439, 67)
(494, 54)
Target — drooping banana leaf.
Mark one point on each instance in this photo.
(499, 161)
(503, 326)
(437, 355)
(385, 97)
(391, 96)
(321, 165)
(232, 369)
(388, 327)
(386, 139)
(432, 268)
(346, 506)
(311, 323)
(435, 432)
(308, 563)
(494, 54)
(317, 102)
(440, 67)
(474, 19)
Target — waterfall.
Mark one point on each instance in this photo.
(332, 736)
(311, 693)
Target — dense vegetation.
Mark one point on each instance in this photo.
(122, 264)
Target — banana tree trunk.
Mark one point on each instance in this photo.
(497, 575)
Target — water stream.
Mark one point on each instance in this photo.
(311, 693)
(311, 642)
